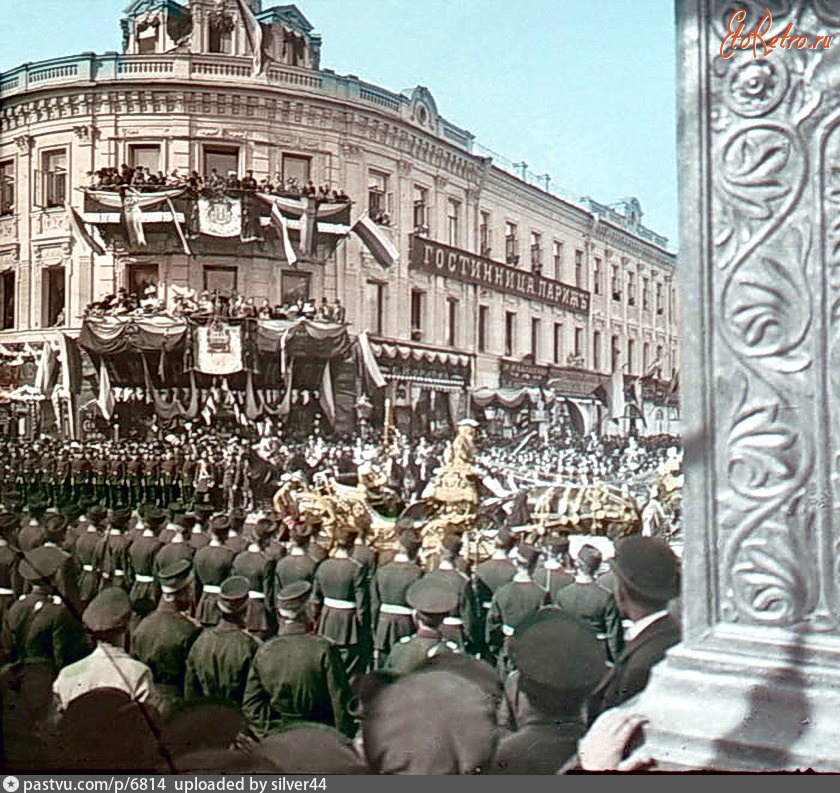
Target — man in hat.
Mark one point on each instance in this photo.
(297, 676)
(212, 565)
(557, 662)
(592, 604)
(112, 554)
(32, 534)
(66, 577)
(145, 590)
(11, 584)
(341, 602)
(393, 615)
(512, 605)
(109, 665)
(462, 625)
(220, 658)
(648, 578)
(257, 566)
(297, 565)
(85, 552)
(495, 571)
(555, 573)
(177, 548)
(201, 532)
(163, 640)
(431, 603)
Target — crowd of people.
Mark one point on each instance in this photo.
(143, 179)
(139, 586)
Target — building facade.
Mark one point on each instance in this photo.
(499, 285)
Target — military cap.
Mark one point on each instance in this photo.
(648, 567)
(452, 542)
(468, 423)
(264, 527)
(13, 498)
(557, 652)
(37, 508)
(144, 509)
(9, 522)
(39, 563)
(430, 722)
(120, 516)
(72, 511)
(528, 554)
(410, 540)
(203, 511)
(55, 524)
(233, 594)
(219, 524)
(237, 518)
(155, 517)
(177, 508)
(97, 513)
(175, 577)
(429, 597)
(293, 595)
(310, 749)
(184, 520)
(108, 611)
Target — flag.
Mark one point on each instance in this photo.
(634, 404)
(653, 366)
(308, 225)
(80, 232)
(286, 404)
(45, 375)
(617, 404)
(600, 393)
(279, 220)
(253, 30)
(674, 385)
(184, 243)
(327, 398)
(377, 243)
(105, 400)
(369, 360)
(71, 376)
(133, 217)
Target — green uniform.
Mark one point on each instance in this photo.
(162, 641)
(218, 663)
(294, 567)
(489, 576)
(512, 604)
(411, 651)
(212, 565)
(462, 626)
(297, 677)
(552, 578)
(391, 614)
(598, 609)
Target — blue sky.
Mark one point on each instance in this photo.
(583, 91)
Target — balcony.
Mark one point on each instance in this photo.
(196, 69)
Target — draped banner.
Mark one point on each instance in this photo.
(220, 217)
(218, 349)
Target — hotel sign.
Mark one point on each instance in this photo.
(432, 257)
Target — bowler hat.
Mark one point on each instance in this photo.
(648, 567)
(108, 611)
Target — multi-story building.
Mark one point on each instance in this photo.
(498, 283)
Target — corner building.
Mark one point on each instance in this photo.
(502, 292)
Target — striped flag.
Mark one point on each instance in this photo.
(327, 398)
(105, 400)
(81, 235)
(253, 31)
(279, 220)
(181, 236)
(377, 243)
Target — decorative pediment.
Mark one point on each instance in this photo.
(287, 15)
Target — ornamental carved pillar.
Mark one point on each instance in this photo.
(755, 685)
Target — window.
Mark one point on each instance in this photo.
(451, 321)
(558, 260)
(535, 337)
(219, 35)
(147, 38)
(511, 244)
(147, 156)
(660, 308)
(671, 305)
(578, 342)
(536, 252)
(645, 357)
(558, 342)
(375, 294)
(139, 277)
(7, 187)
(378, 197)
(221, 279)
(418, 299)
(631, 288)
(596, 350)
(615, 354)
(483, 314)
(659, 361)
(294, 287)
(615, 283)
(7, 301)
(510, 333)
(631, 352)
(53, 284)
(645, 294)
(579, 269)
(484, 234)
(296, 172)
(54, 184)
(453, 215)
(421, 210)
(221, 159)
(597, 274)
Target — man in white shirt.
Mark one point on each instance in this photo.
(109, 665)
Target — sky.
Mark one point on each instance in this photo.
(582, 90)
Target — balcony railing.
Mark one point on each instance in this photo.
(210, 68)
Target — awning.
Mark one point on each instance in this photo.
(396, 352)
(509, 398)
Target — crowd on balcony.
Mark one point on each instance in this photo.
(143, 179)
(189, 302)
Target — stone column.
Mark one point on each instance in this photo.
(755, 685)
